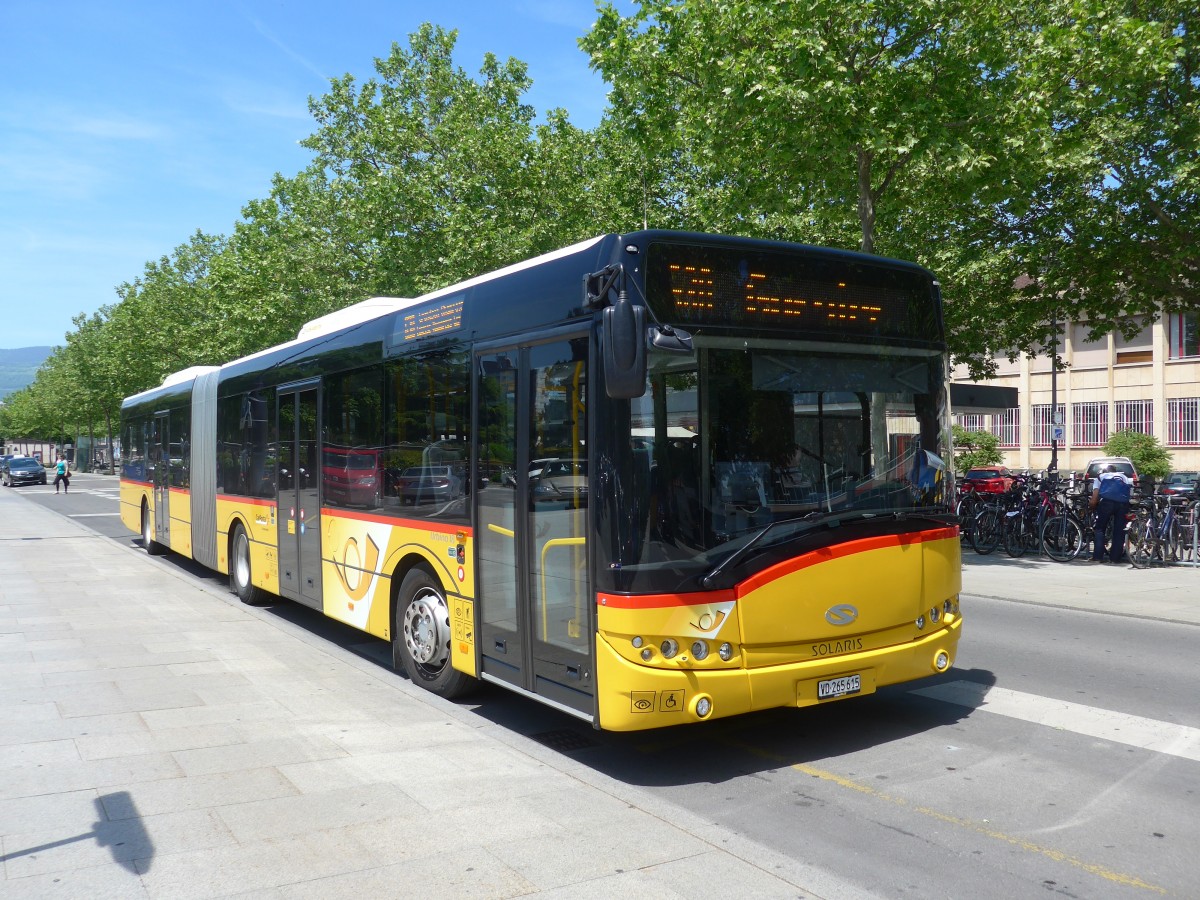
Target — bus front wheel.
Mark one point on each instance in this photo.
(153, 547)
(421, 636)
(240, 573)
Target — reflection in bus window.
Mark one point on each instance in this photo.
(426, 430)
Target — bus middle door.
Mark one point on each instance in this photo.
(299, 519)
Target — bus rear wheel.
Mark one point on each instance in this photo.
(421, 636)
(153, 547)
(240, 574)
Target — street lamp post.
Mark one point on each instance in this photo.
(1055, 418)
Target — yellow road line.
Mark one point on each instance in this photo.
(967, 824)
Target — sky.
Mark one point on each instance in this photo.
(127, 126)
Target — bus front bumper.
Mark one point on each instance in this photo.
(633, 697)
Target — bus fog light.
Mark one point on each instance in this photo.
(669, 648)
(725, 651)
(920, 622)
(941, 662)
(637, 642)
(703, 706)
(647, 654)
(700, 650)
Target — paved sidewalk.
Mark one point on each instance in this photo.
(159, 739)
(1171, 593)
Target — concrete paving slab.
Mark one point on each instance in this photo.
(158, 739)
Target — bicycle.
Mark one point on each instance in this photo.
(1063, 534)
(1160, 536)
(987, 529)
(969, 505)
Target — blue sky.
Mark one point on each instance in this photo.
(126, 126)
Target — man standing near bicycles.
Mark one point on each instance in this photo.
(1111, 493)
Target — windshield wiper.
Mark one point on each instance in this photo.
(812, 520)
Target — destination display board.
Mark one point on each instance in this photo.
(803, 291)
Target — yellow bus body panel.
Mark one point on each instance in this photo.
(179, 508)
(360, 553)
(132, 495)
(784, 642)
(258, 517)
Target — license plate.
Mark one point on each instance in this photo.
(839, 687)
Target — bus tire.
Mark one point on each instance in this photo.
(153, 547)
(241, 576)
(421, 633)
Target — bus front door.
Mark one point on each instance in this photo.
(535, 618)
(299, 518)
(160, 456)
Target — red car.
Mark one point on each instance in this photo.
(989, 479)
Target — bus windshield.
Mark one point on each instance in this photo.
(745, 435)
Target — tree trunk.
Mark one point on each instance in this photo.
(866, 202)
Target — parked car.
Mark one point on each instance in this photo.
(24, 470)
(430, 484)
(1123, 464)
(352, 476)
(561, 483)
(1181, 483)
(989, 479)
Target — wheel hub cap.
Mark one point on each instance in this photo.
(427, 629)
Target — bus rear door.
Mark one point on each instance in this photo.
(160, 457)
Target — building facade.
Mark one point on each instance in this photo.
(1150, 383)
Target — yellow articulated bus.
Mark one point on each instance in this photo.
(648, 479)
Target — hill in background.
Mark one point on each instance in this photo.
(18, 367)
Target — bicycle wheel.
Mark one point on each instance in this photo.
(1062, 538)
(1142, 545)
(1015, 543)
(985, 531)
(968, 509)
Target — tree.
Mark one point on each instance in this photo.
(443, 175)
(974, 448)
(986, 141)
(1149, 457)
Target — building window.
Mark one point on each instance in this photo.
(1043, 422)
(972, 421)
(1089, 424)
(1135, 415)
(1007, 427)
(1183, 421)
(1183, 335)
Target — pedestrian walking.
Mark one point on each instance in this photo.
(1111, 493)
(62, 473)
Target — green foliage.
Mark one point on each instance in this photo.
(974, 448)
(1039, 155)
(1149, 457)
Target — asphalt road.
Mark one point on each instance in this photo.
(1080, 778)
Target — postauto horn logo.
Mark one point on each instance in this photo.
(842, 614)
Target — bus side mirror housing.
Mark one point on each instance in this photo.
(623, 350)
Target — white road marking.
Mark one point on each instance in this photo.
(1121, 728)
(90, 515)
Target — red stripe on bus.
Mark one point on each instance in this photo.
(423, 524)
(841, 551)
